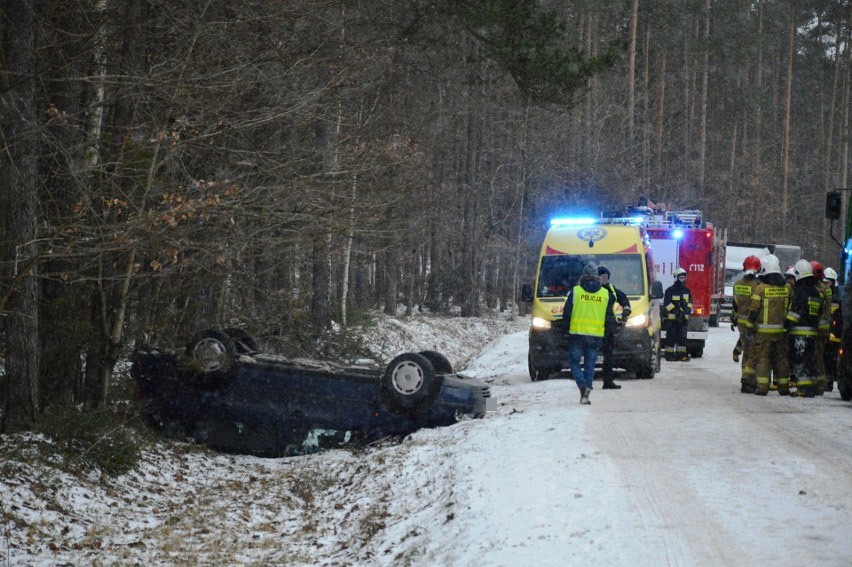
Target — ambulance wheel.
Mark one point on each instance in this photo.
(535, 372)
(696, 352)
(647, 369)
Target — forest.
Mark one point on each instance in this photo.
(290, 166)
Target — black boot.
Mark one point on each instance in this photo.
(584, 397)
(609, 384)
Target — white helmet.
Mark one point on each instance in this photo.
(830, 274)
(770, 265)
(802, 269)
(679, 272)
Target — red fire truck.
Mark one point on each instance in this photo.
(682, 239)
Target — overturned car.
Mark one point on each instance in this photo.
(222, 392)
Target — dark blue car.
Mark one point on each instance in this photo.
(221, 392)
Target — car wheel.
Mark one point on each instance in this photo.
(243, 342)
(534, 371)
(410, 382)
(646, 370)
(213, 356)
(438, 360)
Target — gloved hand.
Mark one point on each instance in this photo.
(733, 326)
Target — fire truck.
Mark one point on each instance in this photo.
(683, 239)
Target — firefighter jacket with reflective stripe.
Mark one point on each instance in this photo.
(836, 329)
(743, 290)
(769, 305)
(589, 313)
(677, 301)
(828, 297)
(806, 308)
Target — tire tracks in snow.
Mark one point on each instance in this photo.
(646, 445)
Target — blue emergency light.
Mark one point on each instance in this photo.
(677, 233)
(572, 221)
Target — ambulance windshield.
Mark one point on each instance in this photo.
(559, 273)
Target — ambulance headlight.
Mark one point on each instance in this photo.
(637, 321)
(539, 323)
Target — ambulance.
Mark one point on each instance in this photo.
(621, 245)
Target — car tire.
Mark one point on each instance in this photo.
(410, 383)
(534, 371)
(647, 369)
(213, 357)
(244, 343)
(439, 362)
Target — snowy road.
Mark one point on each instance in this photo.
(681, 470)
(678, 470)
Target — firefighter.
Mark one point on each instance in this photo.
(678, 306)
(823, 327)
(832, 347)
(802, 323)
(743, 291)
(790, 276)
(622, 304)
(768, 310)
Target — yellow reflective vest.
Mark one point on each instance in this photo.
(588, 315)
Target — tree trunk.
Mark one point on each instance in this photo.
(18, 177)
(319, 281)
(391, 271)
(658, 135)
(469, 267)
(702, 144)
(631, 70)
(646, 112)
(758, 112)
(788, 101)
(827, 152)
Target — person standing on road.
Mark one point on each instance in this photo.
(588, 313)
(802, 323)
(824, 327)
(769, 306)
(743, 291)
(611, 337)
(832, 347)
(678, 306)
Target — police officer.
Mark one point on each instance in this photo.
(768, 310)
(588, 313)
(622, 302)
(678, 306)
(743, 291)
(832, 347)
(802, 323)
